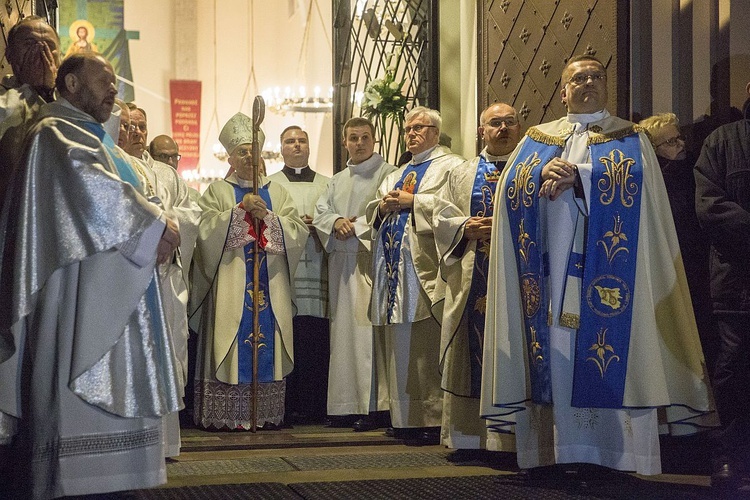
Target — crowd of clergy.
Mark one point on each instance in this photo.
(533, 299)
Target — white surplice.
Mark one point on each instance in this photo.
(356, 381)
(165, 187)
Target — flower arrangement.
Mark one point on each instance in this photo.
(385, 104)
(383, 97)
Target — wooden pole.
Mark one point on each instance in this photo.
(259, 111)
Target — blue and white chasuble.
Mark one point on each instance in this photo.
(588, 326)
(608, 281)
(482, 196)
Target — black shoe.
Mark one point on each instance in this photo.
(390, 432)
(430, 435)
(365, 424)
(270, 426)
(725, 477)
(407, 433)
(340, 421)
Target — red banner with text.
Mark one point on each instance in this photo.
(185, 98)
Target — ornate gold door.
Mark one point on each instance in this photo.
(523, 46)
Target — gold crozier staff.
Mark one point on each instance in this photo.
(259, 110)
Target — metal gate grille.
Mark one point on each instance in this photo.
(371, 38)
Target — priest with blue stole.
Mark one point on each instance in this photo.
(223, 291)
(404, 285)
(590, 345)
(463, 223)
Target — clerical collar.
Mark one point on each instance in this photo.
(48, 95)
(304, 174)
(420, 157)
(493, 158)
(586, 118)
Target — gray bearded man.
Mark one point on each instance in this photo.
(463, 222)
(95, 370)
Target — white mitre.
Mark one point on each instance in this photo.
(239, 130)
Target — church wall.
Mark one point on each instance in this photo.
(692, 58)
(239, 48)
(152, 56)
(458, 75)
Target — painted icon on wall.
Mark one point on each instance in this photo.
(82, 34)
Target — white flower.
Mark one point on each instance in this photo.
(372, 98)
(375, 83)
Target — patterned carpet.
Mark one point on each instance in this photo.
(306, 463)
(314, 462)
(438, 488)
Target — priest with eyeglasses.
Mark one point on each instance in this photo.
(405, 282)
(590, 346)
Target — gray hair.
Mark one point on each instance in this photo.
(432, 114)
(658, 121)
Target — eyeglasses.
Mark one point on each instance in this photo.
(498, 122)
(139, 126)
(671, 142)
(418, 128)
(164, 157)
(583, 78)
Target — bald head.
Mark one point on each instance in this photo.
(499, 128)
(33, 51)
(87, 81)
(164, 149)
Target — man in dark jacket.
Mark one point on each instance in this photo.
(722, 177)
